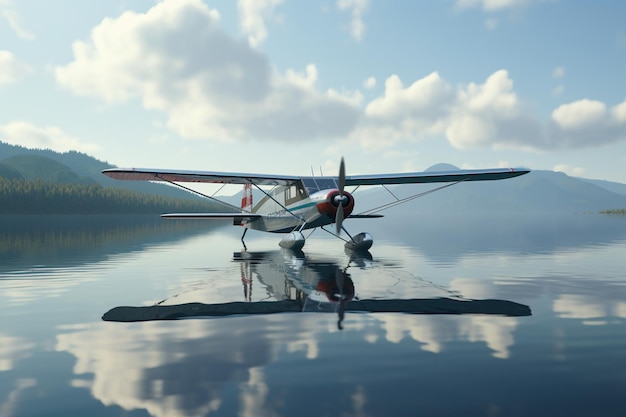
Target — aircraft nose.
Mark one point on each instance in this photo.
(333, 201)
(340, 199)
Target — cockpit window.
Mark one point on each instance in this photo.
(314, 184)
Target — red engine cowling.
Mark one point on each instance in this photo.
(333, 200)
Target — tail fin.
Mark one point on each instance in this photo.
(246, 198)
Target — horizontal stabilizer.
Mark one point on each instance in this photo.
(365, 216)
(234, 216)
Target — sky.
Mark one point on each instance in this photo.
(289, 87)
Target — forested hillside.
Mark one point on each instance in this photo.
(85, 167)
(20, 196)
(39, 182)
(35, 167)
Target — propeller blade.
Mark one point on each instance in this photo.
(342, 176)
(339, 217)
(342, 184)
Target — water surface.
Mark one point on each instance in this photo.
(60, 275)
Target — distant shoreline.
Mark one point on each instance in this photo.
(621, 212)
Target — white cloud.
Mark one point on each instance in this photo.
(399, 102)
(491, 5)
(13, 19)
(357, 8)
(473, 115)
(177, 60)
(619, 112)
(25, 134)
(482, 115)
(569, 170)
(579, 114)
(584, 123)
(400, 113)
(369, 83)
(252, 17)
(11, 69)
(482, 111)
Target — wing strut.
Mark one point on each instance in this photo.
(191, 190)
(404, 200)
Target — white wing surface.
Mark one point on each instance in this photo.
(261, 179)
(437, 176)
(146, 174)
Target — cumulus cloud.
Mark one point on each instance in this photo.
(177, 60)
(11, 69)
(584, 123)
(473, 115)
(8, 12)
(488, 114)
(252, 17)
(618, 113)
(30, 136)
(356, 8)
(579, 114)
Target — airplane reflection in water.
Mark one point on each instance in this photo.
(301, 284)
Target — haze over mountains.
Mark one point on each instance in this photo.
(537, 192)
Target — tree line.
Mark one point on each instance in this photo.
(614, 211)
(19, 196)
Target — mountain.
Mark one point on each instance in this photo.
(72, 167)
(614, 187)
(536, 192)
(36, 167)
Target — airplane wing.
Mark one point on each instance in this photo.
(331, 182)
(436, 176)
(146, 174)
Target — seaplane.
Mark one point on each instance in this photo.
(294, 204)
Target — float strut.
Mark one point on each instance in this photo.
(242, 236)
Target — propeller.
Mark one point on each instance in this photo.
(342, 198)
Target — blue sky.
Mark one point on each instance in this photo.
(280, 86)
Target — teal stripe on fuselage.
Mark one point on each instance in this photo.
(302, 206)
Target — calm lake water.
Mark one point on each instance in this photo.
(552, 341)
